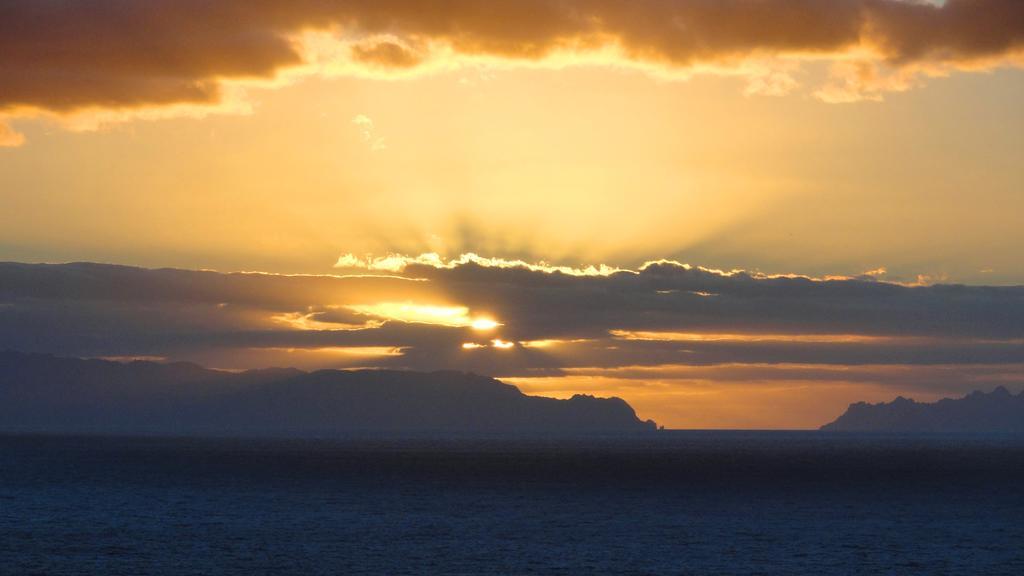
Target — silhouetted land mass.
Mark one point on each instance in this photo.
(996, 412)
(43, 393)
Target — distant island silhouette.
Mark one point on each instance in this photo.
(996, 412)
(49, 394)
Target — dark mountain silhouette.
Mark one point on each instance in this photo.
(996, 412)
(42, 393)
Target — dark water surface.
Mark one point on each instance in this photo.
(673, 503)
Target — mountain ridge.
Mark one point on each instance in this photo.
(998, 411)
(46, 393)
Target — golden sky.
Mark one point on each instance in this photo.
(875, 140)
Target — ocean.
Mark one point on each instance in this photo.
(667, 503)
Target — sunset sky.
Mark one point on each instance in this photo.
(731, 213)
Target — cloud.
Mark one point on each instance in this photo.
(399, 262)
(116, 58)
(385, 54)
(561, 302)
(548, 318)
(366, 130)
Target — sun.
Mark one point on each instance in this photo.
(484, 324)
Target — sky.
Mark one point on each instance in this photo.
(731, 213)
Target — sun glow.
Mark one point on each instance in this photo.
(727, 337)
(551, 342)
(505, 344)
(308, 321)
(355, 351)
(409, 312)
(484, 324)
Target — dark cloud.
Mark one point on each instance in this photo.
(673, 297)
(963, 29)
(666, 314)
(59, 55)
(87, 281)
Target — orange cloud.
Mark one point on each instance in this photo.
(399, 262)
(116, 57)
(386, 54)
(660, 336)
